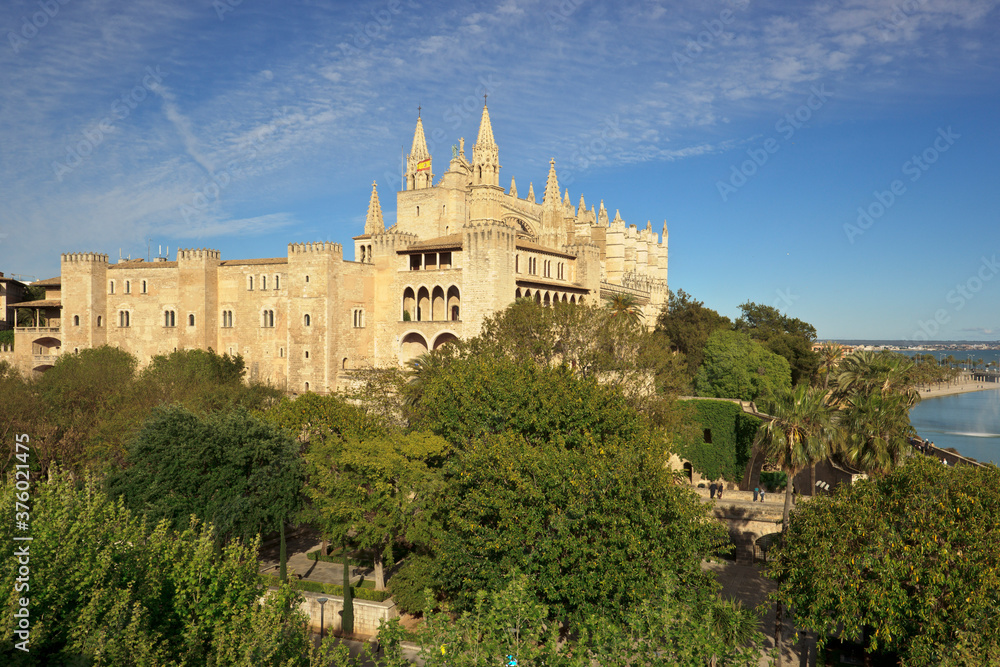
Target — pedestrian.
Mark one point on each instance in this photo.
(720, 491)
(756, 492)
(762, 495)
(711, 489)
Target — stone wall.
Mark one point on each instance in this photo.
(368, 615)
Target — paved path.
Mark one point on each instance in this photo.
(298, 545)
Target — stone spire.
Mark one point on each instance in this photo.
(618, 219)
(551, 196)
(531, 192)
(513, 187)
(418, 162)
(374, 223)
(602, 215)
(485, 154)
(566, 201)
(649, 225)
(582, 208)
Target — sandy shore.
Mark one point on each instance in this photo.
(958, 388)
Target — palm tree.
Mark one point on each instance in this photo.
(875, 430)
(800, 434)
(866, 372)
(830, 354)
(625, 308)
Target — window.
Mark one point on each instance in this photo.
(281, 352)
(111, 288)
(169, 318)
(708, 436)
(418, 210)
(306, 320)
(359, 318)
(250, 282)
(307, 386)
(307, 278)
(144, 287)
(227, 318)
(128, 286)
(263, 282)
(100, 320)
(277, 281)
(190, 320)
(307, 354)
(123, 318)
(267, 319)
(76, 320)
(517, 263)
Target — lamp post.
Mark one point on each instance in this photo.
(322, 602)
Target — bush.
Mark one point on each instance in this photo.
(773, 481)
(409, 584)
(732, 433)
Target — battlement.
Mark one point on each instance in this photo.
(582, 249)
(316, 247)
(187, 254)
(84, 257)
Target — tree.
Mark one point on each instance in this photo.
(231, 469)
(737, 367)
(107, 588)
(790, 337)
(801, 433)
(907, 559)
(830, 354)
(687, 324)
(595, 526)
(368, 493)
(625, 310)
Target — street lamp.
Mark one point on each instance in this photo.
(322, 601)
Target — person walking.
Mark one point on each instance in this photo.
(719, 491)
(711, 489)
(762, 495)
(756, 493)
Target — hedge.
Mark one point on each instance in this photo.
(360, 592)
(336, 557)
(732, 431)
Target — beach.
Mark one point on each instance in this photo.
(959, 387)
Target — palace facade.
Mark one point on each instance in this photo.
(462, 247)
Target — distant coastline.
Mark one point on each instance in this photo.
(961, 387)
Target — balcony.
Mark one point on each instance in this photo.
(44, 359)
(38, 329)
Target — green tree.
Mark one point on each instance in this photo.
(368, 493)
(231, 469)
(830, 355)
(908, 558)
(687, 324)
(625, 309)
(790, 337)
(107, 589)
(595, 526)
(737, 367)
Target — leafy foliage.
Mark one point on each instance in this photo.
(911, 555)
(787, 336)
(595, 526)
(738, 367)
(230, 469)
(732, 432)
(687, 324)
(105, 589)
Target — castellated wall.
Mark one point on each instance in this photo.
(488, 272)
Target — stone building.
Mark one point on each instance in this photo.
(461, 248)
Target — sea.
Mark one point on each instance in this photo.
(968, 422)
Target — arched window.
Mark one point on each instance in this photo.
(76, 320)
(343, 364)
(307, 354)
(111, 287)
(281, 352)
(307, 278)
(143, 286)
(517, 263)
(123, 318)
(277, 281)
(128, 286)
(100, 320)
(249, 282)
(190, 320)
(307, 386)
(454, 304)
(263, 282)
(169, 318)
(306, 319)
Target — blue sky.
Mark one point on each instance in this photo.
(756, 130)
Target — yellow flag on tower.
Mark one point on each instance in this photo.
(424, 165)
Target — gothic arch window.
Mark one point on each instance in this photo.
(409, 302)
(423, 304)
(306, 320)
(454, 304)
(128, 286)
(124, 319)
(277, 281)
(76, 320)
(190, 320)
(169, 318)
(438, 311)
(263, 282)
(249, 282)
(111, 287)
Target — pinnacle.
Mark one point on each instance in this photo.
(513, 188)
(531, 192)
(551, 196)
(373, 222)
(566, 200)
(419, 150)
(485, 138)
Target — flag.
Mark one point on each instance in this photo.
(424, 165)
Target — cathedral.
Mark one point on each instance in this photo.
(462, 247)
